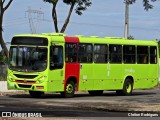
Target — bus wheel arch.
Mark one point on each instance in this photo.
(131, 78)
(127, 86)
(70, 87)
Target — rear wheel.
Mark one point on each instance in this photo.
(36, 94)
(127, 88)
(70, 89)
(96, 92)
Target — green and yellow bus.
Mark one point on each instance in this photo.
(55, 62)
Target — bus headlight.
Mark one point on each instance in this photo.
(41, 79)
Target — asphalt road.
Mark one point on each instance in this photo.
(140, 104)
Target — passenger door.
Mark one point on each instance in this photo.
(56, 73)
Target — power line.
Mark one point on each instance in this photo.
(22, 23)
(22, 20)
(80, 23)
(15, 19)
(104, 25)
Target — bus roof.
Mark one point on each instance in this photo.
(93, 39)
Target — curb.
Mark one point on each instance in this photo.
(3, 87)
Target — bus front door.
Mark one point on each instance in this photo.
(56, 73)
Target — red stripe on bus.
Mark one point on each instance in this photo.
(72, 69)
(72, 39)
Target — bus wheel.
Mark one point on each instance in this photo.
(95, 92)
(70, 89)
(36, 94)
(127, 88)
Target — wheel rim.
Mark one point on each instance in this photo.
(129, 87)
(69, 88)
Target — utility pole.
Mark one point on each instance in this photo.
(34, 17)
(126, 31)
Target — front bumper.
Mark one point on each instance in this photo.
(23, 86)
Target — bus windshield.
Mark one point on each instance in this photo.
(28, 59)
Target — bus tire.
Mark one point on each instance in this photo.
(36, 94)
(95, 92)
(127, 88)
(70, 90)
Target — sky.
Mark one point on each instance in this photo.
(103, 18)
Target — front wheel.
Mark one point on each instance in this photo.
(69, 91)
(127, 88)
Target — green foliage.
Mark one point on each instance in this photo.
(50, 1)
(146, 3)
(3, 58)
(81, 5)
(130, 37)
(130, 1)
(3, 78)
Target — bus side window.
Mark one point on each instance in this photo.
(129, 54)
(56, 57)
(153, 55)
(100, 53)
(142, 54)
(70, 52)
(85, 53)
(115, 53)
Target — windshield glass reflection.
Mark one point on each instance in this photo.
(28, 58)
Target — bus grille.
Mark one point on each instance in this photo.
(24, 86)
(26, 76)
(26, 81)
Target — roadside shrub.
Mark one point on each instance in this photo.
(3, 78)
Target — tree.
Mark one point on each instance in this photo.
(3, 59)
(147, 6)
(130, 37)
(146, 3)
(3, 7)
(81, 5)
